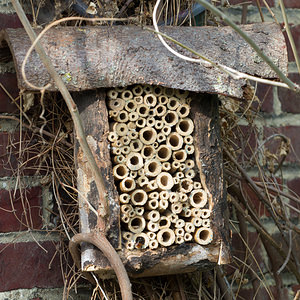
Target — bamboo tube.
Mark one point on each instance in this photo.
(141, 172)
(112, 137)
(137, 224)
(133, 174)
(205, 213)
(140, 123)
(183, 111)
(126, 208)
(151, 186)
(203, 236)
(163, 153)
(139, 197)
(148, 152)
(179, 239)
(190, 174)
(126, 95)
(190, 149)
(206, 222)
(152, 215)
(173, 103)
(176, 208)
(159, 124)
(112, 94)
(116, 151)
(155, 145)
(138, 100)
(196, 212)
(121, 129)
(164, 181)
(125, 218)
(134, 161)
(137, 90)
(186, 185)
(189, 227)
(186, 212)
(152, 226)
(197, 185)
(127, 185)
(150, 122)
(180, 223)
(143, 110)
(188, 101)
(120, 89)
(172, 217)
(142, 181)
(125, 140)
(117, 144)
(166, 166)
(197, 222)
(174, 166)
(160, 137)
(174, 197)
(151, 235)
(127, 236)
(147, 88)
(139, 211)
(119, 159)
(166, 237)
(153, 244)
(179, 175)
(198, 198)
(170, 118)
(136, 145)
(163, 100)
(131, 214)
(133, 116)
(113, 114)
(150, 100)
(176, 180)
(153, 168)
(179, 231)
(163, 205)
(133, 135)
(130, 106)
(122, 116)
(169, 92)
(148, 135)
(182, 167)
(131, 125)
(141, 240)
(179, 155)
(187, 237)
(120, 171)
(166, 130)
(154, 195)
(160, 110)
(164, 195)
(183, 197)
(152, 204)
(185, 127)
(188, 140)
(124, 198)
(129, 245)
(174, 141)
(157, 90)
(181, 94)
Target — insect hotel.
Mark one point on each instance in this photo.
(151, 120)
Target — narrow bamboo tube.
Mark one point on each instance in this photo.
(187, 237)
(126, 95)
(163, 153)
(125, 140)
(188, 140)
(183, 111)
(197, 185)
(131, 125)
(151, 235)
(183, 197)
(140, 123)
(117, 144)
(150, 100)
(152, 226)
(203, 236)
(180, 223)
(163, 204)
(190, 149)
(147, 88)
(186, 213)
(143, 110)
(116, 151)
(174, 141)
(181, 94)
(148, 152)
(113, 114)
(133, 116)
(185, 127)
(197, 222)
(148, 135)
(160, 110)
(139, 99)
(152, 215)
(174, 166)
(120, 89)
(172, 217)
(136, 145)
(127, 236)
(160, 137)
(206, 223)
(189, 227)
(179, 239)
(141, 240)
(157, 90)
(142, 181)
(190, 174)
(170, 118)
(125, 150)
(190, 163)
(159, 124)
(163, 100)
(133, 134)
(179, 175)
(133, 174)
(119, 159)
(151, 186)
(166, 237)
(127, 184)
(154, 195)
(179, 231)
(173, 103)
(153, 244)
(155, 145)
(112, 137)
(150, 122)
(164, 195)
(112, 94)
(166, 166)
(153, 168)
(120, 171)
(129, 245)
(205, 213)
(176, 208)
(130, 106)
(121, 129)
(176, 181)
(122, 116)
(141, 172)
(198, 198)
(196, 212)
(125, 218)
(126, 208)
(186, 185)
(124, 198)
(134, 161)
(174, 197)
(139, 197)
(166, 130)
(137, 224)
(182, 167)
(179, 155)
(137, 90)
(151, 204)
(164, 181)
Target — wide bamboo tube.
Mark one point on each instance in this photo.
(179, 231)
(112, 94)
(173, 103)
(127, 236)
(166, 166)
(179, 155)
(179, 239)
(153, 244)
(140, 123)
(198, 198)
(205, 213)
(112, 137)
(163, 100)
(166, 130)
(190, 149)
(164, 181)
(197, 222)
(133, 116)
(183, 111)
(174, 141)
(160, 110)
(127, 185)
(152, 215)
(139, 99)
(150, 122)
(176, 208)
(126, 95)
(152, 168)
(189, 227)
(143, 110)
(206, 222)
(122, 116)
(160, 137)
(124, 150)
(150, 100)
(137, 90)
(137, 224)
(151, 235)
(163, 204)
(185, 127)
(186, 186)
(166, 237)
(148, 135)
(124, 198)
(142, 181)
(170, 118)
(163, 153)
(189, 140)
(139, 197)
(148, 152)
(174, 197)
(136, 145)
(187, 237)
(125, 140)
(203, 236)
(120, 171)
(134, 161)
(152, 226)
(121, 129)
(141, 240)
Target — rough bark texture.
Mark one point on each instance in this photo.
(94, 57)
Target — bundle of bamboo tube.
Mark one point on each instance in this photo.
(161, 197)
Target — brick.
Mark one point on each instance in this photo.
(27, 265)
(294, 187)
(248, 293)
(290, 101)
(295, 30)
(292, 132)
(265, 95)
(20, 213)
(9, 82)
(253, 2)
(11, 21)
(291, 3)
